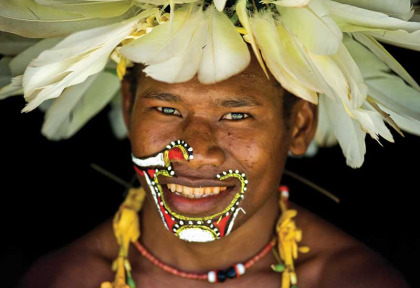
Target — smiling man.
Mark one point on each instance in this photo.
(216, 94)
(212, 197)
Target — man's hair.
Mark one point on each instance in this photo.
(133, 73)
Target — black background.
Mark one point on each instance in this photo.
(50, 195)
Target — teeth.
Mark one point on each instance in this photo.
(195, 192)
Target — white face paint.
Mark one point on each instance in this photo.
(192, 229)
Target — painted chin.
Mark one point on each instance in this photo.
(200, 219)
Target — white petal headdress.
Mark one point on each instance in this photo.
(326, 52)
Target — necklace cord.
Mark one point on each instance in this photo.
(201, 276)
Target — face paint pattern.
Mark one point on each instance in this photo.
(193, 229)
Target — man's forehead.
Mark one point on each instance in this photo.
(229, 100)
(248, 88)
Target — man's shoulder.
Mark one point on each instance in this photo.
(84, 263)
(359, 266)
(338, 260)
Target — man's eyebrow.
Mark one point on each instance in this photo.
(239, 102)
(163, 96)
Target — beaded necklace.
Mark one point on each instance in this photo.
(127, 230)
(213, 276)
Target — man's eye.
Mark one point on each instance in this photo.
(235, 116)
(168, 110)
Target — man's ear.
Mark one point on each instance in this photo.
(303, 126)
(127, 102)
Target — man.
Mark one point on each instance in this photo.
(242, 124)
(209, 148)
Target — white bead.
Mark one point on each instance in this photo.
(240, 268)
(211, 277)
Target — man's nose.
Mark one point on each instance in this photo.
(202, 136)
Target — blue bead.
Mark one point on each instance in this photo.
(231, 273)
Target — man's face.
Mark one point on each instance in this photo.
(232, 125)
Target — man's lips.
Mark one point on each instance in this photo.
(195, 192)
(186, 203)
(195, 188)
(196, 182)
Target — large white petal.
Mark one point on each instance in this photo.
(157, 45)
(21, 61)
(225, 52)
(358, 17)
(91, 9)
(334, 77)
(72, 61)
(313, 27)
(358, 89)
(220, 4)
(283, 58)
(171, 51)
(385, 87)
(13, 89)
(78, 104)
(324, 135)
(399, 38)
(376, 48)
(407, 124)
(392, 93)
(32, 20)
(347, 131)
(242, 12)
(395, 8)
(373, 123)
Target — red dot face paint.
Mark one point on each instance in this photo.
(175, 154)
(193, 229)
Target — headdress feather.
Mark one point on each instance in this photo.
(324, 51)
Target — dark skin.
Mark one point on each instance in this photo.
(202, 116)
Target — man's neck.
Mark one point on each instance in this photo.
(242, 244)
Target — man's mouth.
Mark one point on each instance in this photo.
(195, 192)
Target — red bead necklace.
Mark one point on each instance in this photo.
(212, 276)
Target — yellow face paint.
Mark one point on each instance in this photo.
(194, 229)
